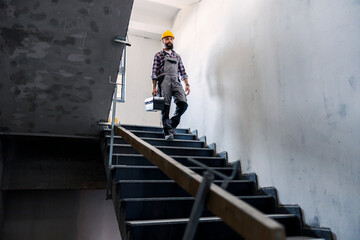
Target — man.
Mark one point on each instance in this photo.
(167, 71)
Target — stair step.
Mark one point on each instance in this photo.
(154, 173)
(153, 128)
(140, 160)
(303, 238)
(180, 151)
(169, 188)
(147, 134)
(161, 142)
(164, 208)
(208, 228)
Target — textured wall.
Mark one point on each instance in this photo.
(277, 84)
(55, 61)
(59, 215)
(138, 82)
(1, 192)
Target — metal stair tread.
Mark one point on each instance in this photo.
(161, 139)
(172, 181)
(172, 156)
(185, 220)
(144, 126)
(303, 238)
(166, 147)
(180, 134)
(188, 198)
(155, 167)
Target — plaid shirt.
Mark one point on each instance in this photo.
(158, 65)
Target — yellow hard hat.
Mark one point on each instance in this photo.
(167, 34)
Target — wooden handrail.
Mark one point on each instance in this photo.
(240, 216)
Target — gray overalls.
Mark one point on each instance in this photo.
(170, 87)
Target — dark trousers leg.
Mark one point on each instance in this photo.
(165, 119)
(180, 109)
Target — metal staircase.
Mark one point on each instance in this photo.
(149, 205)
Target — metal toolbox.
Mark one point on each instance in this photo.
(154, 104)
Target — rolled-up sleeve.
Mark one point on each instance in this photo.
(155, 67)
(182, 69)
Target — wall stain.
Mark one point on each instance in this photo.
(66, 41)
(21, 11)
(53, 22)
(87, 51)
(84, 12)
(19, 77)
(101, 70)
(13, 38)
(107, 10)
(342, 111)
(93, 26)
(36, 5)
(354, 82)
(38, 16)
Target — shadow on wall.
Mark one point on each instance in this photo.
(238, 91)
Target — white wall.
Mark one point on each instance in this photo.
(277, 84)
(138, 83)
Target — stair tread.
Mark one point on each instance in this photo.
(162, 139)
(185, 220)
(141, 131)
(172, 156)
(155, 167)
(303, 238)
(188, 198)
(165, 147)
(144, 126)
(172, 181)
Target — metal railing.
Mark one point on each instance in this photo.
(240, 216)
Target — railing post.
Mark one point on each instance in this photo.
(112, 127)
(198, 207)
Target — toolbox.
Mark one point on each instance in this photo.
(154, 104)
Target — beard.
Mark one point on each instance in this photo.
(169, 45)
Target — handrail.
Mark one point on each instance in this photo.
(240, 216)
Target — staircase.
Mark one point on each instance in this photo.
(149, 205)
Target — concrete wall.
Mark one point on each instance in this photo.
(55, 61)
(1, 192)
(58, 215)
(277, 84)
(138, 82)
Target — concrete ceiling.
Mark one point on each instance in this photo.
(150, 18)
(55, 61)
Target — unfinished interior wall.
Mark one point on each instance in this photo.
(277, 84)
(138, 83)
(1, 192)
(58, 215)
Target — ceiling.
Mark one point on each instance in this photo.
(150, 18)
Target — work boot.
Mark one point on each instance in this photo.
(172, 131)
(169, 137)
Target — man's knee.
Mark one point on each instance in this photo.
(182, 106)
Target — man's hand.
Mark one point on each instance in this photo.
(155, 91)
(187, 89)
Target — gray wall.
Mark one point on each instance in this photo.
(277, 84)
(55, 61)
(59, 215)
(1, 192)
